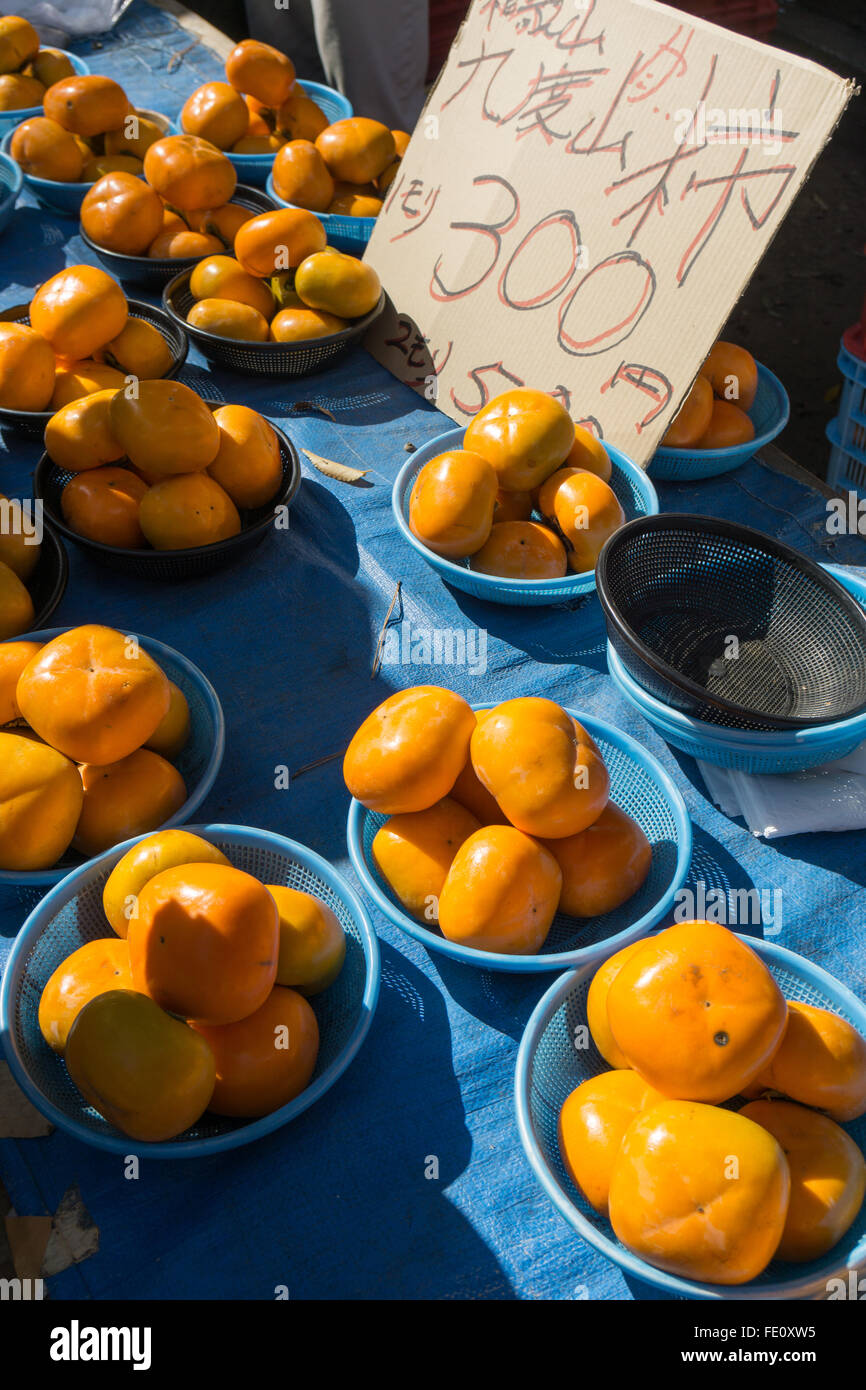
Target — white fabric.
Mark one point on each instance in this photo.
(829, 797)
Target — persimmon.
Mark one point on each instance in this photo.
(732, 373)
(476, 798)
(512, 506)
(215, 112)
(693, 417)
(222, 277)
(102, 164)
(134, 137)
(696, 1012)
(180, 243)
(302, 177)
(27, 367)
(355, 205)
(166, 849)
(604, 865)
(19, 547)
(129, 797)
(189, 173)
(259, 70)
(451, 503)
(338, 284)
(18, 92)
(312, 941)
(50, 65)
(407, 753)
(585, 510)
(102, 505)
(414, 851)
(279, 240)
(820, 1061)
(596, 1003)
(248, 464)
(16, 605)
(521, 550)
(81, 435)
(676, 1201)
(828, 1176)
(186, 511)
(75, 380)
(543, 768)
(205, 941)
(356, 148)
(500, 893)
(228, 318)
(299, 117)
(122, 214)
(165, 428)
(47, 151)
(591, 1127)
(729, 425)
(589, 453)
(78, 310)
(171, 736)
(94, 968)
(301, 324)
(88, 105)
(40, 802)
(524, 435)
(14, 656)
(257, 144)
(223, 222)
(19, 42)
(265, 1060)
(150, 1075)
(93, 693)
(139, 350)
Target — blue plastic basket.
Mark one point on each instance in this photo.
(11, 183)
(198, 763)
(847, 432)
(549, 1067)
(255, 168)
(640, 786)
(636, 493)
(72, 914)
(10, 119)
(346, 233)
(65, 198)
(769, 414)
(773, 751)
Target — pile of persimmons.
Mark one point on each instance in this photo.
(284, 283)
(19, 555)
(692, 1019)
(713, 414)
(26, 68)
(521, 454)
(199, 1000)
(496, 820)
(90, 727)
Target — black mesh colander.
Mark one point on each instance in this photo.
(156, 272)
(47, 584)
(263, 359)
(49, 481)
(33, 422)
(731, 626)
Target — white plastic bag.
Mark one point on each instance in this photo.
(57, 23)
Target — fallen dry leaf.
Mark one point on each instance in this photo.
(341, 471)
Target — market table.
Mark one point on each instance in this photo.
(338, 1204)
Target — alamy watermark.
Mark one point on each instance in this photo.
(410, 645)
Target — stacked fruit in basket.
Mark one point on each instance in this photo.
(714, 413)
(27, 69)
(91, 763)
(284, 284)
(521, 454)
(199, 1000)
(496, 820)
(20, 549)
(690, 1020)
(347, 169)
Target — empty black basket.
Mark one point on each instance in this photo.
(731, 626)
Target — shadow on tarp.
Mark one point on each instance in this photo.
(498, 998)
(561, 634)
(714, 871)
(40, 240)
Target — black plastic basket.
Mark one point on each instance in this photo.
(49, 482)
(154, 273)
(731, 626)
(33, 422)
(263, 359)
(47, 583)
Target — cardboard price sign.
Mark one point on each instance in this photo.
(586, 194)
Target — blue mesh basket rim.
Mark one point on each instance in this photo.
(53, 901)
(11, 189)
(666, 717)
(679, 464)
(563, 960)
(41, 878)
(809, 1286)
(361, 228)
(493, 586)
